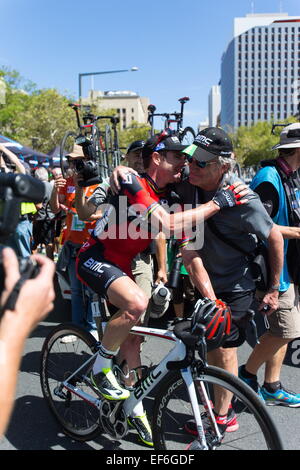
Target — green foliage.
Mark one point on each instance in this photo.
(253, 144)
(30, 114)
(40, 118)
(134, 132)
(46, 119)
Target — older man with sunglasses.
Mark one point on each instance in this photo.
(210, 169)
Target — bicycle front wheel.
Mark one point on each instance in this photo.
(66, 147)
(65, 350)
(172, 409)
(188, 136)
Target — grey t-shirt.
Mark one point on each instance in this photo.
(228, 268)
(45, 213)
(100, 194)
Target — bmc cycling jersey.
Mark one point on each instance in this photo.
(123, 231)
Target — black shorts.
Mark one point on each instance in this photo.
(239, 302)
(43, 232)
(95, 271)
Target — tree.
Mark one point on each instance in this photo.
(28, 113)
(253, 144)
(134, 132)
(46, 119)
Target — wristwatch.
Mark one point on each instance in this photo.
(275, 287)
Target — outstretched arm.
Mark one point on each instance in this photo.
(13, 158)
(35, 300)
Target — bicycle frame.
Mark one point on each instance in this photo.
(178, 116)
(144, 387)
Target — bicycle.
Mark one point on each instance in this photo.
(185, 390)
(186, 135)
(100, 147)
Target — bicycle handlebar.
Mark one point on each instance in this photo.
(113, 119)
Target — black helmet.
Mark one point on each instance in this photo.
(136, 145)
(215, 316)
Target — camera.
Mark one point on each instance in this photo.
(14, 189)
(87, 167)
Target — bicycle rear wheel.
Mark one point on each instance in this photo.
(188, 136)
(78, 418)
(172, 409)
(108, 149)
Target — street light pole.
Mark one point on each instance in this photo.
(133, 69)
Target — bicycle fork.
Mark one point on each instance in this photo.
(189, 381)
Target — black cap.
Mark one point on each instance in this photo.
(156, 144)
(209, 143)
(136, 145)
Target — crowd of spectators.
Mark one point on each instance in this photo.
(59, 226)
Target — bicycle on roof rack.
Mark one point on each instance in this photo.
(186, 135)
(185, 385)
(100, 148)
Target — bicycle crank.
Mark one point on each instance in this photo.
(113, 419)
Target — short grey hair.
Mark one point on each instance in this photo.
(227, 161)
(41, 174)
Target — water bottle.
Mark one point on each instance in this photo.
(159, 301)
(175, 273)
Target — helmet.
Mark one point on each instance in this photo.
(215, 316)
(136, 145)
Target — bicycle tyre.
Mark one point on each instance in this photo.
(172, 409)
(64, 150)
(188, 136)
(78, 418)
(108, 149)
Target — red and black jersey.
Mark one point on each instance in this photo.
(124, 230)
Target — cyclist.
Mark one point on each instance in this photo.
(104, 261)
(141, 264)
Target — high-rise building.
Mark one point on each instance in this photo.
(214, 105)
(260, 71)
(129, 105)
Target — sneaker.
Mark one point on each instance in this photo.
(252, 383)
(106, 384)
(68, 339)
(281, 397)
(230, 425)
(141, 424)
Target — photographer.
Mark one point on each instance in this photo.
(20, 239)
(34, 302)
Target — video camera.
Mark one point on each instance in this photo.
(15, 189)
(88, 139)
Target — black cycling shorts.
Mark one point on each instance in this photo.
(95, 271)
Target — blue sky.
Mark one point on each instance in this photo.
(177, 45)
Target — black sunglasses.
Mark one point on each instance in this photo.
(190, 159)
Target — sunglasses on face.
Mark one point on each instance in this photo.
(199, 164)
